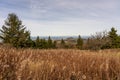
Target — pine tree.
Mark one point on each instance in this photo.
(114, 38)
(30, 43)
(44, 44)
(13, 32)
(37, 42)
(54, 44)
(49, 43)
(79, 42)
(62, 43)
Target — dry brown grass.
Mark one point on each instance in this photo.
(30, 64)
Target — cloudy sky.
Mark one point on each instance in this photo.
(64, 17)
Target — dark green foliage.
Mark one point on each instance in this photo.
(79, 42)
(114, 38)
(62, 43)
(49, 42)
(30, 43)
(37, 42)
(13, 32)
(44, 44)
(54, 44)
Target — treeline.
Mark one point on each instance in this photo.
(14, 33)
(103, 40)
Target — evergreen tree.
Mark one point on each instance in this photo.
(49, 43)
(30, 43)
(37, 42)
(44, 44)
(13, 32)
(41, 45)
(79, 42)
(54, 44)
(62, 43)
(114, 38)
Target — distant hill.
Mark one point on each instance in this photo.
(59, 37)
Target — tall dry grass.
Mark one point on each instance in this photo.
(30, 64)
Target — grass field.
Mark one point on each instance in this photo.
(30, 64)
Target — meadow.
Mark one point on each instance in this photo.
(59, 64)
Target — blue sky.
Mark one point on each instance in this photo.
(64, 17)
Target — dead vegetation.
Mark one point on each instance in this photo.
(35, 64)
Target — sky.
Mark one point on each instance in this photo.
(63, 17)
